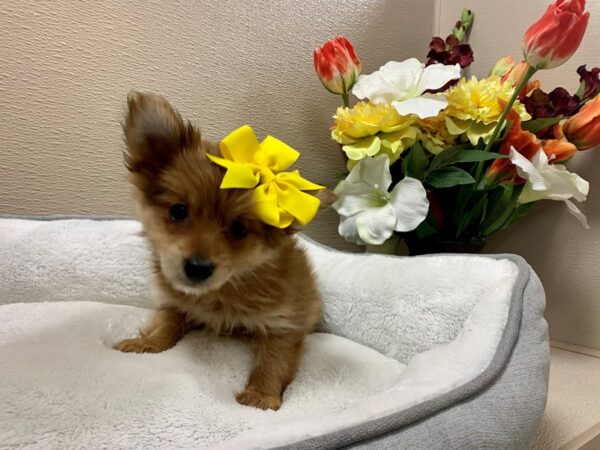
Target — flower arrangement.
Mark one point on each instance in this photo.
(444, 161)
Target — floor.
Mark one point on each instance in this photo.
(572, 419)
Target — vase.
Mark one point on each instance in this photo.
(428, 246)
(389, 247)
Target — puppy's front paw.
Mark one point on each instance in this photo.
(141, 345)
(251, 397)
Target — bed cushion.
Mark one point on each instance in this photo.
(402, 340)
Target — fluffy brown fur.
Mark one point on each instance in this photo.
(261, 286)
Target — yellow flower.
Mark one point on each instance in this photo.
(368, 130)
(435, 137)
(366, 119)
(392, 144)
(474, 107)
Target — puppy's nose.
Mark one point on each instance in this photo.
(198, 269)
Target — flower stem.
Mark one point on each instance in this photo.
(511, 102)
(346, 99)
(502, 119)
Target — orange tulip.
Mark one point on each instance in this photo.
(583, 129)
(515, 75)
(503, 66)
(558, 150)
(526, 143)
(556, 36)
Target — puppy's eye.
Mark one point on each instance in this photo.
(178, 212)
(238, 230)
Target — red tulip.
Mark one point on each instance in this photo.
(583, 129)
(337, 65)
(435, 209)
(556, 36)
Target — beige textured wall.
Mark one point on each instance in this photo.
(566, 257)
(66, 68)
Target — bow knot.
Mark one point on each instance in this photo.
(278, 195)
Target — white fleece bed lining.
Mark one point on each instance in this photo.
(428, 375)
(341, 383)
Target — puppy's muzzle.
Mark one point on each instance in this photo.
(198, 269)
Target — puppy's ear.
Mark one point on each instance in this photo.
(326, 197)
(154, 133)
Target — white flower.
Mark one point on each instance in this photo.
(551, 182)
(403, 85)
(369, 214)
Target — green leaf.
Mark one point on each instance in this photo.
(460, 154)
(503, 205)
(477, 155)
(425, 230)
(449, 177)
(416, 162)
(536, 125)
(519, 212)
(448, 156)
(462, 199)
(475, 214)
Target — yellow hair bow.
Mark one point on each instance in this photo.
(278, 195)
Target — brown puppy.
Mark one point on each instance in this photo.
(215, 263)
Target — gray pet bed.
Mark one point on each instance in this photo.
(437, 352)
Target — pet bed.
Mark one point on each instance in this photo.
(435, 352)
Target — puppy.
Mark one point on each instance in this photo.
(215, 264)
